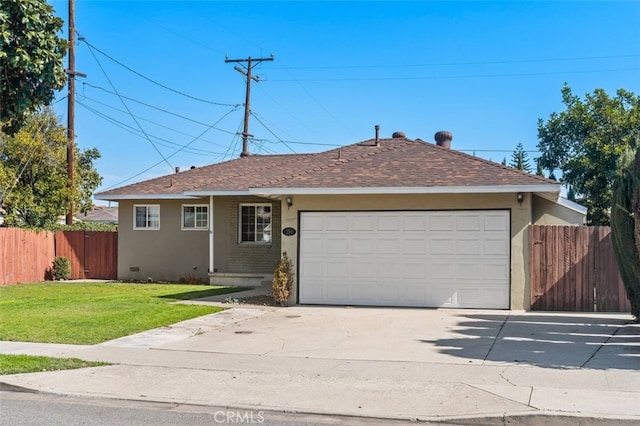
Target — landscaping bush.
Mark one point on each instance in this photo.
(283, 280)
(61, 269)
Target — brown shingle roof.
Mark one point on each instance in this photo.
(394, 163)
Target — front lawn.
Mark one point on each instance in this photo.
(90, 313)
(16, 364)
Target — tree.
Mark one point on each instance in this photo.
(539, 170)
(519, 159)
(625, 227)
(33, 173)
(31, 55)
(586, 141)
(504, 161)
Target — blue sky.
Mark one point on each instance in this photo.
(486, 71)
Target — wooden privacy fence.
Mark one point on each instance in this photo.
(573, 268)
(26, 256)
(92, 254)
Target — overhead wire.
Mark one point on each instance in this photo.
(454, 77)
(164, 86)
(136, 132)
(174, 153)
(127, 108)
(172, 129)
(155, 107)
(314, 98)
(270, 131)
(440, 64)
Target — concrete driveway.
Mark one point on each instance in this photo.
(447, 336)
(423, 364)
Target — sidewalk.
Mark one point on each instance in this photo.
(194, 362)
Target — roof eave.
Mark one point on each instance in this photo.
(118, 197)
(487, 189)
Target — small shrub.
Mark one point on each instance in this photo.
(283, 280)
(61, 268)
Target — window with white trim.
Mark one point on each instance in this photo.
(146, 216)
(195, 216)
(255, 223)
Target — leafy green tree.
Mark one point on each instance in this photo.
(539, 170)
(504, 161)
(585, 142)
(519, 159)
(31, 59)
(625, 227)
(33, 173)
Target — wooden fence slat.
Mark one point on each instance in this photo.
(568, 263)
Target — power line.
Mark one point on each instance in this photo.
(444, 77)
(136, 132)
(270, 131)
(439, 64)
(315, 100)
(157, 108)
(174, 153)
(127, 108)
(155, 123)
(92, 48)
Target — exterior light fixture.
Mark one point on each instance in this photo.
(289, 202)
(520, 197)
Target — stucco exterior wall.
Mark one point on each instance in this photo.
(546, 212)
(170, 253)
(166, 254)
(520, 219)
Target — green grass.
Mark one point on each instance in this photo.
(90, 313)
(16, 364)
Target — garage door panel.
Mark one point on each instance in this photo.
(441, 222)
(468, 222)
(414, 246)
(468, 246)
(448, 259)
(441, 246)
(389, 246)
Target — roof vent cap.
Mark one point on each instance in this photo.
(398, 135)
(443, 138)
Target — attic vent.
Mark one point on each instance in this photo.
(398, 135)
(443, 138)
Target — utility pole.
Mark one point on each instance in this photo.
(246, 71)
(71, 104)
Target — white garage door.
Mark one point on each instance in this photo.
(412, 258)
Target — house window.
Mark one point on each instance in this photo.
(195, 216)
(146, 216)
(255, 223)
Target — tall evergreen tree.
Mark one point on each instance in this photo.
(519, 159)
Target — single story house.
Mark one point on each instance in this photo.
(383, 222)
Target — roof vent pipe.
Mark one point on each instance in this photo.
(177, 169)
(377, 127)
(443, 138)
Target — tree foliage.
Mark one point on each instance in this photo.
(586, 141)
(520, 159)
(31, 59)
(625, 227)
(33, 173)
